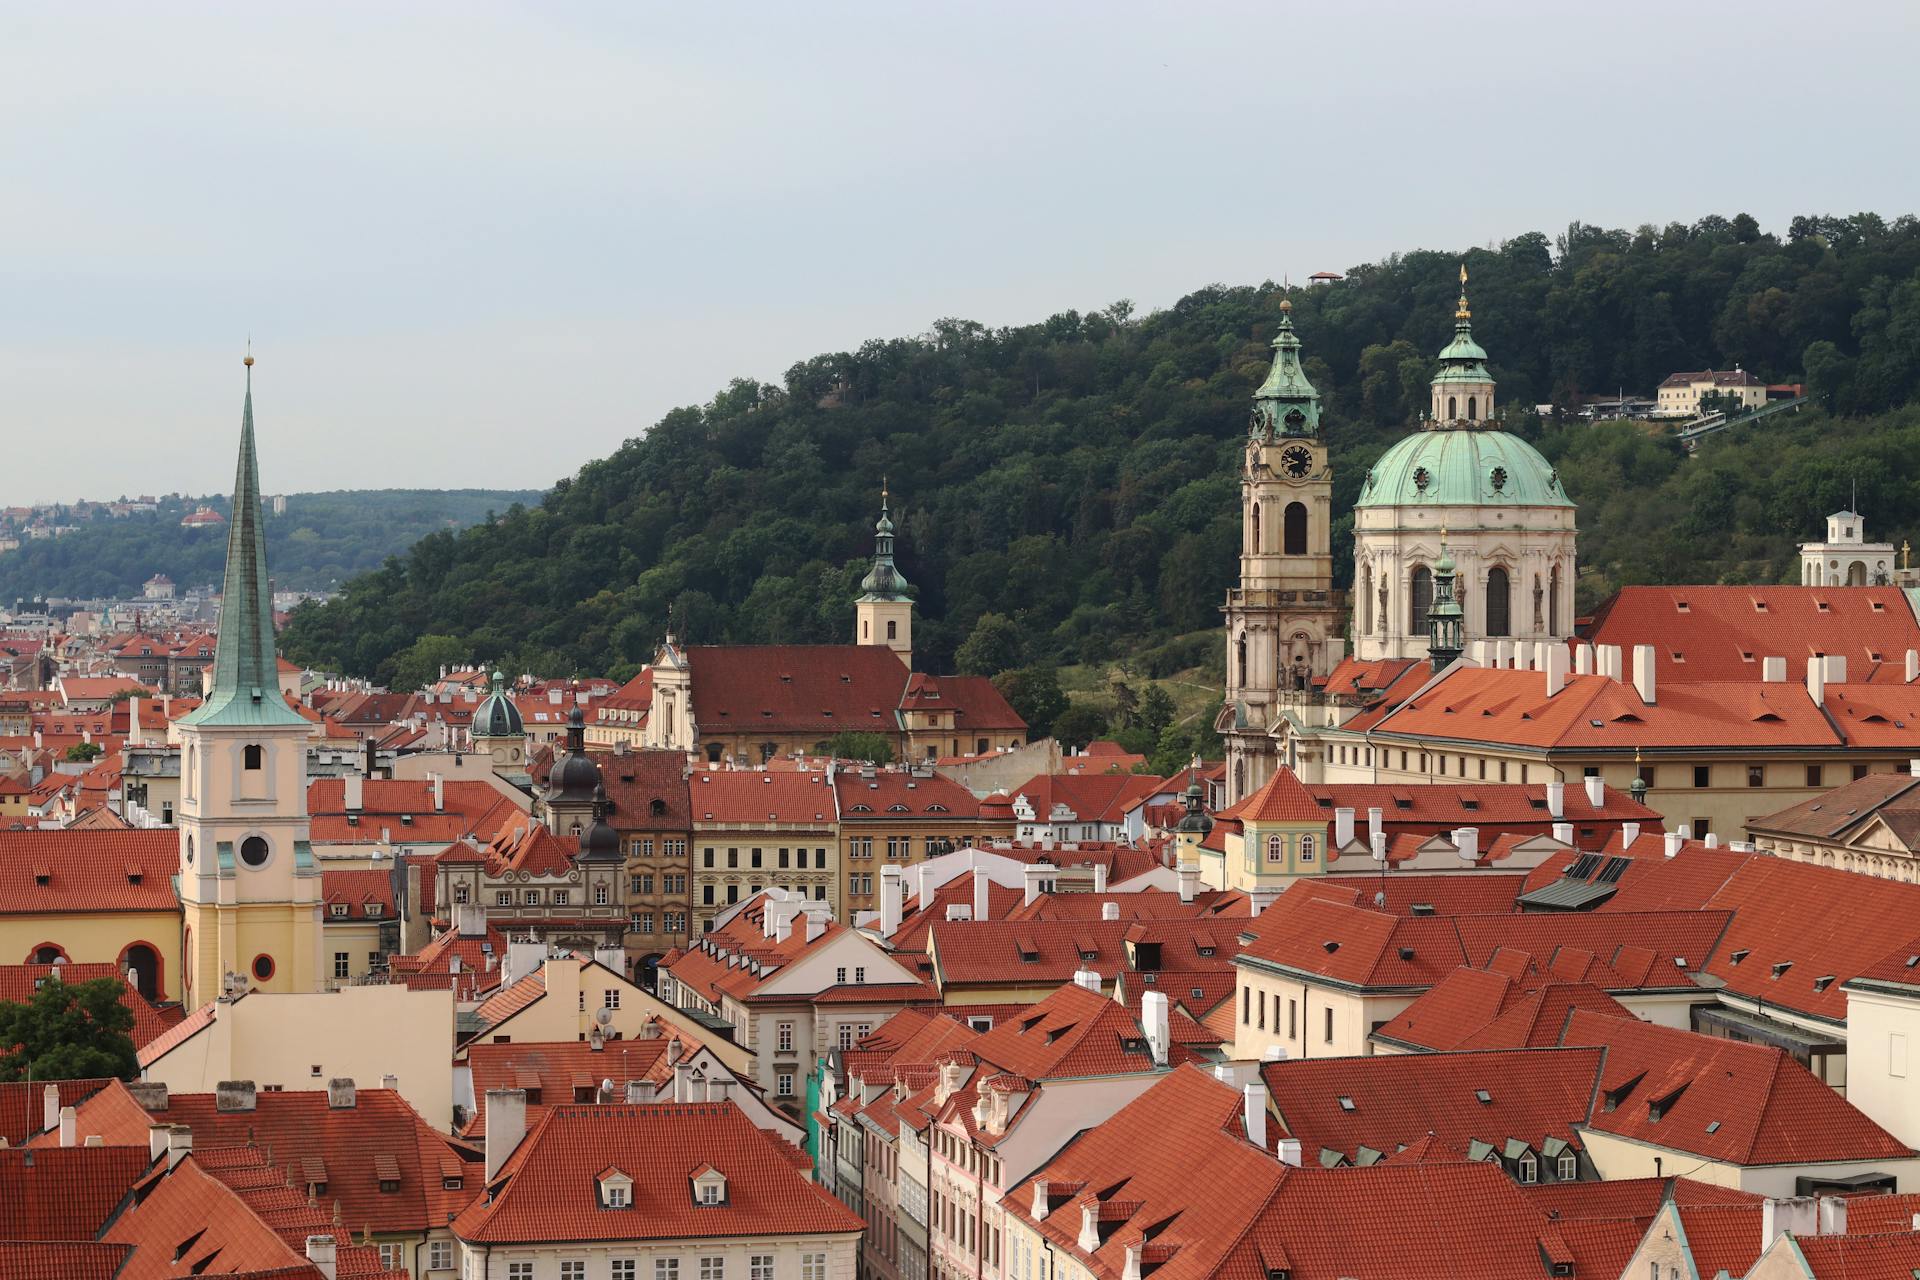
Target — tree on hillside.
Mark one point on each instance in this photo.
(421, 663)
(995, 645)
(1034, 694)
(69, 1032)
(1078, 725)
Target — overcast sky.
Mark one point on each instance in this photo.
(479, 244)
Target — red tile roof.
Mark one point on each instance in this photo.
(1073, 1032)
(356, 889)
(1031, 953)
(552, 1073)
(648, 789)
(1718, 633)
(822, 688)
(892, 795)
(1870, 1214)
(1090, 797)
(977, 705)
(111, 1114)
(188, 1221)
(1341, 1105)
(1668, 1086)
(1859, 1257)
(751, 796)
(65, 1193)
(67, 1259)
(547, 1191)
(88, 871)
(22, 1104)
(404, 809)
(1282, 799)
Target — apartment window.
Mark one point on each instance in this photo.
(531, 897)
(1859, 772)
(460, 893)
(733, 858)
(813, 1266)
(610, 998)
(600, 894)
(623, 1269)
(760, 1267)
(709, 856)
(1567, 1167)
(1813, 775)
(519, 1271)
(897, 847)
(674, 884)
(440, 1255)
(561, 897)
(1246, 1006)
(1260, 1010)
(713, 1269)
(783, 1038)
(783, 1084)
(860, 847)
(783, 859)
(504, 898)
(756, 858)
(1292, 1024)
(1329, 1034)
(840, 975)
(1276, 849)
(1306, 848)
(676, 922)
(706, 895)
(1702, 775)
(1701, 826)
(1529, 1170)
(573, 1269)
(1756, 775)
(846, 1035)
(674, 848)
(859, 974)
(342, 964)
(643, 922)
(1644, 773)
(819, 859)
(617, 1196)
(666, 1269)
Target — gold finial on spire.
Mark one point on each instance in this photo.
(883, 490)
(1286, 306)
(248, 361)
(1462, 313)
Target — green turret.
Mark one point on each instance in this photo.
(884, 582)
(1286, 403)
(1446, 624)
(246, 674)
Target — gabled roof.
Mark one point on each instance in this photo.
(68, 1259)
(893, 795)
(552, 1073)
(648, 789)
(1832, 815)
(22, 1104)
(65, 1193)
(1725, 633)
(1342, 1108)
(1048, 952)
(792, 688)
(547, 1191)
(793, 796)
(977, 705)
(1072, 1033)
(1090, 797)
(1282, 799)
(88, 871)
(1722, 1100)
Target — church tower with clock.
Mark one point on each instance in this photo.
(1284, 617)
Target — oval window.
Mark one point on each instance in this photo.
(253, 851)
(1422, 478)
(1499, 479)
(263, 967)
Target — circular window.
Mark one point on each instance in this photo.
(1498, 479)
(253, 851)
(263, 967)
(1422, 478)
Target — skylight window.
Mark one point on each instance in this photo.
(1346, 1103)
(1484, 1097)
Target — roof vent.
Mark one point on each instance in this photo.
(1331, 946)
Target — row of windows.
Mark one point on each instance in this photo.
(1277, 848)
(670, 922)
(671, 885)
(760, 1266)
(642, 847)
(799, 858)
(1253, 1013)
(900, 848)
(602, 896)
(733, 893)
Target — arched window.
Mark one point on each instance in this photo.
(1420, 599)
(1453, 408)
(893, 629)
(1276, 849)
(255, 756)
(1857, 574)
(1366, 601)
(1255, 517)
(48, 953)
(1473, 408)
(1306, 848)
(1499, 603)
(1294, 531)
(1553, 602)
(144, 962)
(1241, 657)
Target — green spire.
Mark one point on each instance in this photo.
(1446, 623)
(1286, 403)
(246, 676)
(1463, 359)
(883, 581)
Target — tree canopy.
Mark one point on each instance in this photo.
(68, 1031)
(1066, 491)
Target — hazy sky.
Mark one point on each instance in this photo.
(479, 244)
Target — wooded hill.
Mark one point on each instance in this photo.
(1077, 476)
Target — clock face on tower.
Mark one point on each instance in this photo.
(1296, 461)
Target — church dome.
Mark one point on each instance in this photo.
(496, 716)
(1462, 468)
(575, 777)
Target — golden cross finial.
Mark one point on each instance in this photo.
(1462, 313)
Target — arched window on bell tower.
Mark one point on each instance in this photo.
(1294, 529)
(1453, 409)
(1553, 602)
(1473, 408)
(1255, 514)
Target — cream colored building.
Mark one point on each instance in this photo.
(1846, 558)
(301, 1041)
(1679, 395)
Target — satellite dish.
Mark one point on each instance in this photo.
(1380, 898)
(603, 1017)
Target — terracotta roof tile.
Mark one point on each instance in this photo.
(1719, 634)
(553, 1072)
(55, 872)
(796, 688)
(65, 1193)
(67, 1259)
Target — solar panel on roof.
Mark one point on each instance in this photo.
(1614, 869)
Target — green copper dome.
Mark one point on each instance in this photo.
(496, 716)
(1286, 403)
(884, 581)
(1462, 468)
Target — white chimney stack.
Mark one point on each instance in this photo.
(1342, 828)
(892, 900)
(352, 792)
(1913, 767)
(1817, 682)
(1596, 791)
(1467, 840)
(1563, 832)
(1378, 842)
(1913, 665)
(1032, 875)
(1672, 842)
(1583, 659)
(1376, 822)
(50, 1101)
(157, 1141)
(69, 1126)
(1556, 800)
(439, 793)
(1088, 978)
(1290, 1152)
(1643, 673)
(816, 925)
(324, 1255)
(1099, 877)
(1109, 911)
(1834, 667)
(1553, 661)
(1253, 1112)
(1153, 1019)
(981, 899)
(179, 1144)
(1773, 670)
(1629, 832)
(1189, 877)
(1712, 840)
(506, 1125)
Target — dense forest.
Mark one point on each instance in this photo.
(323, 540)
(1066, 491)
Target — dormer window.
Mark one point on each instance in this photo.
(616, 1189)
(709, 1187)
(339, 910)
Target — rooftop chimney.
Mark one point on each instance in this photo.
(1467, 841)
(179, 1144)
(1913, 665)
(1099, 877)
(321, 1253)
(1817, 682)
(340, 1094)
(1629, 832)
(1253, 1112)
(69, 1126)
(1153, 1019)
(1643, 673)
(1032, 875)
(1563, 832)
(1109, 911)
(157, 1141)
(1833, 1215)
(353, 796)
(439, 792)
(1376, 822)
(1088, 978)
(1377, 843)
(1787, 1213)
(1556, 800)
(1596, 791)
(1290, 1152)
(981, 900)
(233, 1095)
(1553, 661)
(1913, 767)
(506, 1125)
(1189, 877)
(1670, 844)
(50, 1105)
(1583, 659)
(1773, 670)
(893, 892)
(1712, 840)
(390, 1082)
(1342, 828)
(816, 925)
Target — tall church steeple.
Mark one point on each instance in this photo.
(1463, 389)
(250, 890)
(1286, 403)
(883, 614)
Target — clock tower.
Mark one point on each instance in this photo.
(1284, 617)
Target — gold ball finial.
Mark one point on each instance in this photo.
(248, 361)
(1286, 305)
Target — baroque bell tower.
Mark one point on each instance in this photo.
(1284, 617)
